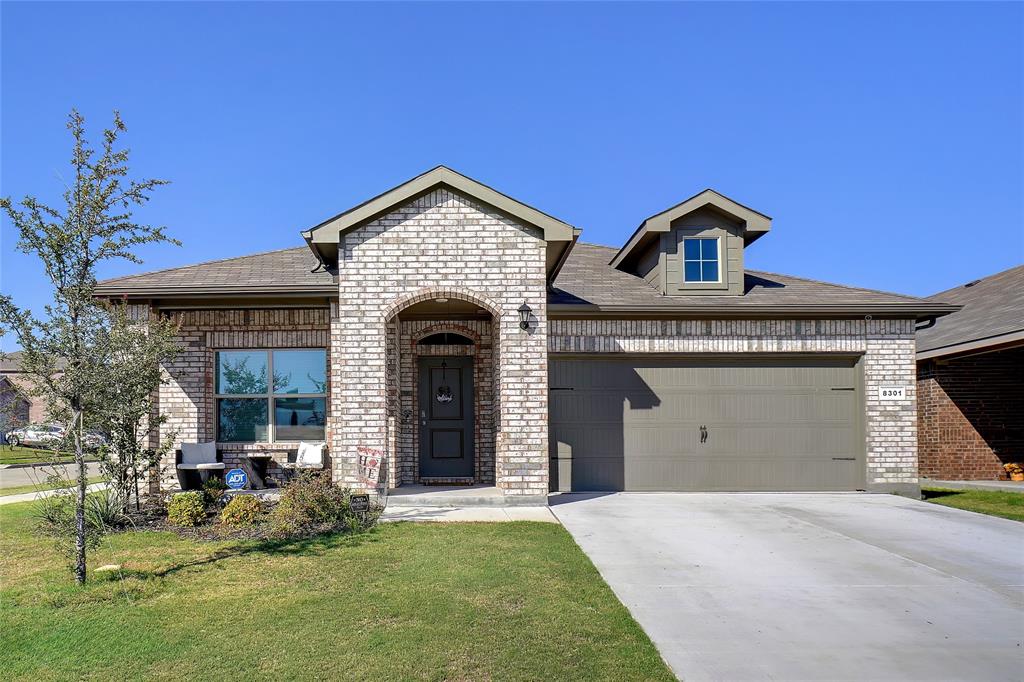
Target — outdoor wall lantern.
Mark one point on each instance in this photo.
(524, 316)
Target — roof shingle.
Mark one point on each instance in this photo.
(586, 282)
(993, 307)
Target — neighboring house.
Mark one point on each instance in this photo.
(15, 380)
(970, 381)
(474, 340)
(14, 407)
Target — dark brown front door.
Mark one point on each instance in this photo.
(446, 417)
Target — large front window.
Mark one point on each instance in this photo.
(271, 395)
(700, 260)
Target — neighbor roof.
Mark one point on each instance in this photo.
(754, 223)
(589, 284)
(289, 271)
(992, 315)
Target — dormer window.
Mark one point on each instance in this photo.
(701, 258)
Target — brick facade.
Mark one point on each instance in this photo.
(187, 400)
(445, 245)
(971, 415)
(441, 244)
(886, 346)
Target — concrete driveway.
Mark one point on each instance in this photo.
(811, 586)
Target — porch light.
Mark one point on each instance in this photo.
(524, 316)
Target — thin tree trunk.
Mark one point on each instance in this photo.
(80, 502)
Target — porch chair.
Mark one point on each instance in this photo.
(195, 463)
(309, 456)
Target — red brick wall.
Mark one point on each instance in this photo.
(970, 415)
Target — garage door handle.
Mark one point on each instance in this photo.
(844, 459)
(703, 434)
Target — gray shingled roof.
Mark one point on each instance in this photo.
(586, 283)
(993, 309)
(282, 270)
(587, 280)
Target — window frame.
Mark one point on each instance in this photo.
(702, 260)
(269, 395)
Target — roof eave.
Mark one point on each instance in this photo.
(988, 344)
(888, 310)
(136, 292)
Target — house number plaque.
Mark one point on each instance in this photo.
(888, 394)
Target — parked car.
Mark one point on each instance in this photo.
(94, 440)
(36, 435)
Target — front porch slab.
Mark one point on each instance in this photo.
(459, 496)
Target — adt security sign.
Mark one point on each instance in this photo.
(236, 479)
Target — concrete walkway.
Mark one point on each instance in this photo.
(1003, 486)
(811, 586)
(464, 514)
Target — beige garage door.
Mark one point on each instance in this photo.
(791, 423)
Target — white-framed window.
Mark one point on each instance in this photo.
(271, 395)
(702, 259)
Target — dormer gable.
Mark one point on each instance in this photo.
(695, 247)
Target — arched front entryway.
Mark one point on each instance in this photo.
(449, 339)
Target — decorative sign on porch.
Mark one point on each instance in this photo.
(359, 503)
(236, 479)
(370, 462)
(889, 394)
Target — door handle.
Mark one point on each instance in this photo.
(703, 434)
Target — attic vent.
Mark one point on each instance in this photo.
(971, 284)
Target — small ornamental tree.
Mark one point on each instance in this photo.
(95, 225)
(136, 350)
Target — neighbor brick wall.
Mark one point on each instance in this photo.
(187, 399)
(441, 244)
(887, 347)
(971, 415)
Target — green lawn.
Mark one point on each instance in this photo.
(30, 488)
(510, 601)
(23, 455)
(1008, 505)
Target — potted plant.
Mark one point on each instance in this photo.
(1014, 470)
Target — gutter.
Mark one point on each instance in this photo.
(232, 290)
(921, 311)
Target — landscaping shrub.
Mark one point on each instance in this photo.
(311, 503)
(241, 510)
(186, 509)
(213, 491)
(105, 510)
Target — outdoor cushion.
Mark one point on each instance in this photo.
(310, 456)
(199, 453)
(202, 466)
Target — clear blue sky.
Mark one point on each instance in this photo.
(884, 139)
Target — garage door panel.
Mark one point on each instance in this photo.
(634, 424)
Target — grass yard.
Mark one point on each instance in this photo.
(30, 488)
(509, 601)
(1008, 505)
(23, 455)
